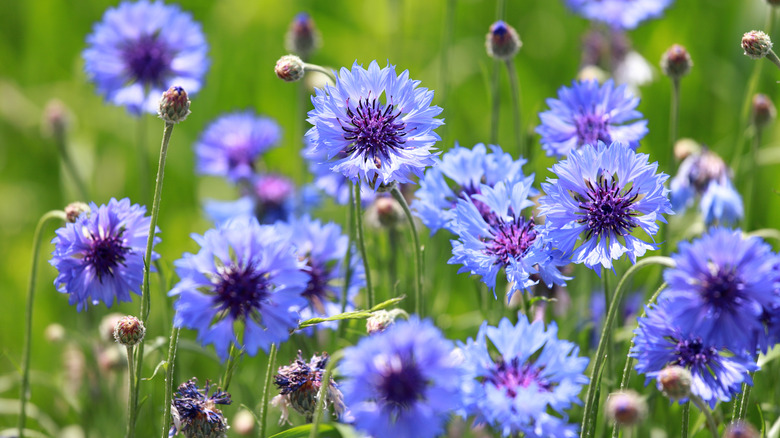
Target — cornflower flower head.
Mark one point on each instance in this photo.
(721, 286)
(138, 50)
(602, 195)
(333, 184)
(706, 175)
(619, 14)
(243, 287)
(100, 257)
(231, 145)
(662, 339)
(459, 173)
(194, 412)
(375, 126)
(588, 113)
(299, 384)
(493, 234)
(532, 380)
(404, 381)
(322, 248)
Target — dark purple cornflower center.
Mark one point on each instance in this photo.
(722, 289)
(106, 252)
(608, 208)
(376, 129)
(591, 128)
(401, 382)
(148, 60)
(692, 353)
(240, 291)
(514, 375)
(317, 291)
(511, 239)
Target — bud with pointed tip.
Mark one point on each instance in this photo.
(676, 62)
(129, 331)
(74, 210)
(756, 44)
(502, 41)
(289, 68)
(675, 382)
(174, 105)
(764, 111)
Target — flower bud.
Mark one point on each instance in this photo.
(129, 331)
(764, 110)
(74, 210)
(289, 68)
(56, 118)
(302, 37)
(675, 382)
(174, 105)
(626, 408)
(502, 41)
(685, 147)
(384, 212)
(740, 429)
(756, 44)
(244, 422)
(676, 62)
(380, 320)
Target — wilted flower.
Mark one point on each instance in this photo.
(299, 384)
(194, 412)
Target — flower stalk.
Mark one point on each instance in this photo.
(269, 372)
(417, 249)
(358, 214)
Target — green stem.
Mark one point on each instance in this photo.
(607, 300)
(143, 160)
(711, 425)
(145, 293)
(744, 400)
(686, 415)
(673, 122)
(514, 83)
(591, 405)
(319, 69)
(169, 363)
(347, 262)
(449, 26)
(230, 366)
(131, 394)
(70, 167)
(500, 9)
(323, 394)
(392, 263)
(765, 233)
(417, 249)
(772, 56)
(266, 389)
(494, 113)
(54, 214)
(362, 241)
(751, 185)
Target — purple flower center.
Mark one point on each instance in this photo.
(317, 291)
(591, 128)
(240, 291)
(197, 410)
(105, 253)
(375, 130)
(722, 289)
(692, 353)
(148, 60)
(608, 208)
(401, 382)
(514, 375)
(510, 239)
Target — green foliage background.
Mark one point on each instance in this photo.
(40, 59)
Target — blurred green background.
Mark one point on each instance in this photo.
(40, 59)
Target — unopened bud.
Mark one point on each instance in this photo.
(289, 68)
(502, 41)
(756, 44)
(244, 422)
(685, 147)
(676, 62)
(626, 408)
(384, 212)
(380, 320)
(74, 210)
(174, 105)
(740, 429)
(129, 331)
(56, 118)
(302, 37)
(764, 110)
(675, 382)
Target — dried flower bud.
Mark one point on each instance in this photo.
(675, 382)
(626, 408)
(676, 62)
(756, 44)
(299, 385)
(380, 320)
(302, 37)
(764, 110)
(74, 210)
(289, 68)
(129, 331)
(174, 105)
(502, 41)
(740, 429)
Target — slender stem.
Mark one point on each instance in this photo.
(494, 113)
(417, 249)
(54, 214)
(230, 366)
(711, 425)
(449, 25)
(169, 363)
(323, 394)
(500, 9)
(607, 299)
(673, 122)
(347, 262)
(319, 69)
(686, 415)
(131, 394)
(62, 146)
(267, 388)
(143, 159)
(744, 400)
(392, 265)
(772, 56)
(362, 241)
(145, 293)
(591, 405)
(514, 82)
(750, 194)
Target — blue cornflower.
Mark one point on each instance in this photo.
(467, 169)
(493, 234)
(141, 49)
(721, 203)
(534, 375)
(231, 144)
(720, 287)
(194, 412)
(243, 287)
(588, 113)
(323, 247)
(370, 138)
(100, 257)
(602, 195)
(619, 14)
(661, 340)
(333, 184)
(402, 382)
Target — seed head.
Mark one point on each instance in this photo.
(676, 62)
(289, 68)
(764, 111)
(626, 408)
(129, 331)
(174, 105)
(756, 44)
(502, 42)
(675, 382)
